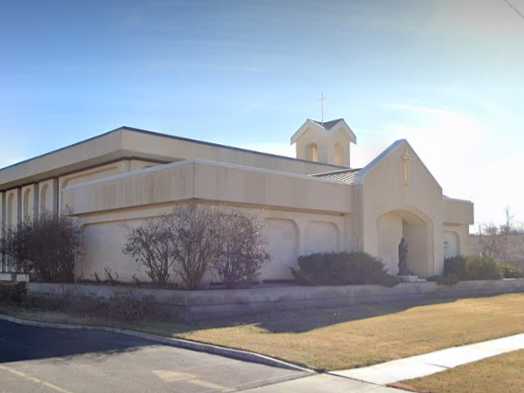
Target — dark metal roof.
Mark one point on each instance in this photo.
(328, 124)
(346, 176)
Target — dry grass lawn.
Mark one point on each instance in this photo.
(503, 373)
(355, 337)
(344, 338)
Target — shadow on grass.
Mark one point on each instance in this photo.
(299, 321)
(279, 321)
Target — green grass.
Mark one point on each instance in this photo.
(504, 373)
(342, 338)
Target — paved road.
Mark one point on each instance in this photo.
(43, 360)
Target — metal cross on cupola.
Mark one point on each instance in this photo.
(322, 108)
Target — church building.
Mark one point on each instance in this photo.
(316, 202)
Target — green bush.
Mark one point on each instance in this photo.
(455, 266)
(470, 268)
(13, 292)
(509, 270)
(356, 268)
(482, 268)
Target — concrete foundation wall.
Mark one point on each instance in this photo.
(217, 303)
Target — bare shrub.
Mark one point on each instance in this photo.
(13, 292)
(242, 249)
(151, 245)
(197, 237)
(183, 242)
(503, 243)
(48, 247)
(15, 245)
(194, 239)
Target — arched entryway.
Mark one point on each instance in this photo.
(415, 229)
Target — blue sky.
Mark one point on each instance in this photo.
(446, 75)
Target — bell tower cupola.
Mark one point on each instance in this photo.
(324, 141)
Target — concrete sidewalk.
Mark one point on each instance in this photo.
(323, 383)
(434, 362)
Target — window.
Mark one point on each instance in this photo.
(312, 152)
(44, 207)
(339, 154)
(11, 213)
(28, 205)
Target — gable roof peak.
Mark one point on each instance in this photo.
(400, 143)
(327, 124)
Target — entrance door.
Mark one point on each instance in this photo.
(451, 244)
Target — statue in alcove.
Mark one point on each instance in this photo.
(403, 258)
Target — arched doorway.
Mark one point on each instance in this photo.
(415, 229)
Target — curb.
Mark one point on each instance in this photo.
(237, 354)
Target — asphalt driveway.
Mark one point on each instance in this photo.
(46, 360)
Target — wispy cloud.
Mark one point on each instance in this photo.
(458, 149)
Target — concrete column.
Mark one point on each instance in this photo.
(2, 211)
(435, 241)
(36, 201)
(357, 218)
(56, 197)
(19, 217)
(301, 236)
(3, 261)
(347, 233)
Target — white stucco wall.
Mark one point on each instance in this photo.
(384, 190)
(99, 172)
(390, 234)
(288, 234)
(293, 208)
(457, 211)
(208, 181)
(397, 184)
